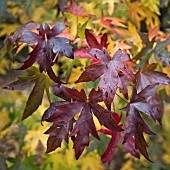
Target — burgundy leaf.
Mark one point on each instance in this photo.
(105, 117)
(104, 40)
(29, 38)
(73, 9)
(156, 101)
(92, 72)
(149, 77)
(45, 43)
(108, 155)
(52, 109)
(63, 112)
(109, 72)
(21, 30)
(91, 40)
(96, 96)
(75, 94)
(145, 93)
(84, 125)
(130, 148)
(59, 91)
(58, 132)
(148, 109)
(101, 55)
(134, 123)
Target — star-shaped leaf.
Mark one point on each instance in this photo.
(43, 45)
(135, 125)
(84, 125)
(109, 70)
(149, 77)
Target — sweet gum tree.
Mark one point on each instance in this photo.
(109, 59)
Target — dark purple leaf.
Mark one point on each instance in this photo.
(45, 43)
(150, 77)
(21, 30)
(130, 148)
(109, 72)
(91, 40)
(35, 97)
(21, 84)
(58, 132)
(84, 125)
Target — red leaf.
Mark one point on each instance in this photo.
(108, 70)
(130, 148)
(135, 125)
(107, 156)
(84, 125)
(58, 132)
(45, 43)
(91, 40)
(73, 9)
(82, 53)
(150, 77)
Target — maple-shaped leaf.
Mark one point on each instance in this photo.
(22, 83)
(135, 125)
(73, 9)
(136, 12)
(84, 125)
(35, 97)
(43, 45)
(149, 77)
(130, 148)
(39, 83)
(146, 51)
(108, 70)
(110, 23)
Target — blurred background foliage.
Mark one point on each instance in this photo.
(22, 143)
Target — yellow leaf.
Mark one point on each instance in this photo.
(111, 5)
(152, 20)
(90, 162)
(4, 119)
(89, 8)
(133, 37)
(6, 29)
(153, 5)
(136, 12)
(38, 13)
(128, 165)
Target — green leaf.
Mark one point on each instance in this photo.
(35, 98)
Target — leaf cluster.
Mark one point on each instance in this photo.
(121, 71)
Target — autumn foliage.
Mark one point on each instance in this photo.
(123, 63)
